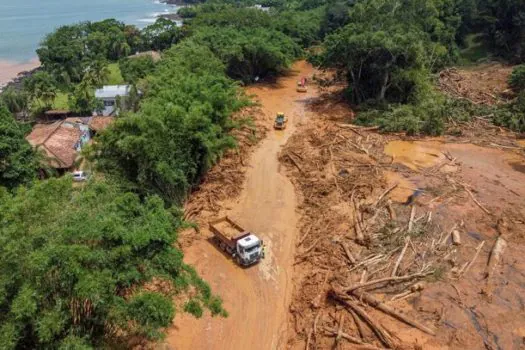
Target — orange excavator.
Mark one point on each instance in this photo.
(301, 85)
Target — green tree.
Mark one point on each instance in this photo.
(180, 129)
(161, 35)
(251, 52)
(18, 161)
(42, 88)
(74, 265)
(16, 101)
(135, 68)
(82, 100)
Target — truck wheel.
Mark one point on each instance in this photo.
(222, 246)
(238, 259)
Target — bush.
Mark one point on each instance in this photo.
(512, 115)
(517, 78)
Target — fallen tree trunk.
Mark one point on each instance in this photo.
(381, 334)
(495, 255)
(372, 301)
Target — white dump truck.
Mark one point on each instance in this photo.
(245, 247)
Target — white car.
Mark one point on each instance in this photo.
(79, 176)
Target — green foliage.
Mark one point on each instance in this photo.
(69, 51)
(512, 115)
(336, 15)
(74, 262)
(41, 87)
(180, 130)
(249, 53)
(135, 68)
(517, 78)
(193, 307)
(15, 101)
(82, 100)
(302, 26)
(115, 75)
(161, 35)
(503, 23)
(18, 162)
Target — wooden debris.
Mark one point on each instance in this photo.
(456, 237)
(391, 210)
(495, 255)
(386, 279)
(398, 261)
(467, 266)
(379, 331)
(372, 301)
(390, 189)
(475, 200)
(351, 339)
(348, 253)
(411, 221)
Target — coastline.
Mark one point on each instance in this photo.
(10, 70)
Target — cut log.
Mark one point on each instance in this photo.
(348, 253)
(398, 261)
(372, 301)
(351, 339)
(390, 189)
(465, 269)
(386, 279)
(495, 255)
(456, 237)
(381, 334)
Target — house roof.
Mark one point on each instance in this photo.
(112, 91)
(57, 141)
(99, 123)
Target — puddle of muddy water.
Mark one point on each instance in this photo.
(415, 154)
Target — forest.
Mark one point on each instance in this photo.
(78, 264)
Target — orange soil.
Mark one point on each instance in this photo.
(256, 298)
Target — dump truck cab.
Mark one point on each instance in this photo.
(244, 246)
(249, 250)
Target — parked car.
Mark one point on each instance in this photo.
(79, 176)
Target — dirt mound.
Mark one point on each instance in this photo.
(484, 84)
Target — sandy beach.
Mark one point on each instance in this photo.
(9, 70)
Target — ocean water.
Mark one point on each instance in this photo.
(24, 23)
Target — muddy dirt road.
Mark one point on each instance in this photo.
(256, 298)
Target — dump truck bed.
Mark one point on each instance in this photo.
(227, 230)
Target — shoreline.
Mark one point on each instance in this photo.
(10, 70)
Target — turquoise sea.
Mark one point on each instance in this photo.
(23, 23)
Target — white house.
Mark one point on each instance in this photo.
(109, 95)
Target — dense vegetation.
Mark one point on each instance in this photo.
(74, 263)
(18, 161)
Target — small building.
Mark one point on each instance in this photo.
(61, 141)
(109, 95)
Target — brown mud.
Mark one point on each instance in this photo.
(404, 197)
(341, 207)
(257, 297)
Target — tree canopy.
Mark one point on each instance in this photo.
(76, 264)
(18, 161)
